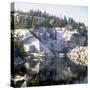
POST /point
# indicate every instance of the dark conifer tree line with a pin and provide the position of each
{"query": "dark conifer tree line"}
(35, 19)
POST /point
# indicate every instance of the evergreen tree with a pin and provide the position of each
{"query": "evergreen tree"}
(34, 19)
(65, 21)
(33, 25)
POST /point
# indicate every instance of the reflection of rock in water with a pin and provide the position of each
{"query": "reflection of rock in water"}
(62, 69)
(59, 70)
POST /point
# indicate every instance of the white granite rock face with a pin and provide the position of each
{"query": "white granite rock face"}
(79, 55)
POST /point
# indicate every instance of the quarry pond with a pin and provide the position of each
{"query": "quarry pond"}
(51, 58)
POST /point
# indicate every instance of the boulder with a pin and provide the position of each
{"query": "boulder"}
(78, 55)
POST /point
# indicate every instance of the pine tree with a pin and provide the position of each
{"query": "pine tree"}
(33, 25)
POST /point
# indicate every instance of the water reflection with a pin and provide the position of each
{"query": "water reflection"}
(55, 70)
(60, 70)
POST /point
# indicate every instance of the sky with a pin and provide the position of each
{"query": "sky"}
(78, 13)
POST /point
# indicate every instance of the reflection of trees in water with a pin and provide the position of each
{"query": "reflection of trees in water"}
(69, 73)
(64, 64)
(60, 70)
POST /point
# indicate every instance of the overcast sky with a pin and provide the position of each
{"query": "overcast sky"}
(78, 13)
